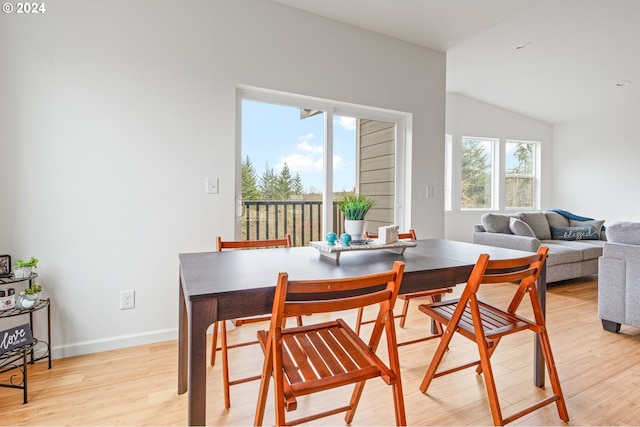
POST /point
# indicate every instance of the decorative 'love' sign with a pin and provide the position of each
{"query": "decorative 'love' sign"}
(15, 337)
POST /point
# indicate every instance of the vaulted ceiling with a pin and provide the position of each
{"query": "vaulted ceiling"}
(554, 60)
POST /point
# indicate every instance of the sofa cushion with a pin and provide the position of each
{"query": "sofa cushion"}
(520, 228)
(584, 232)
(559, 253)
(582, 249)
(538, 223)
(625, 232)
(556, 220)
(496, 223)
(597, 224)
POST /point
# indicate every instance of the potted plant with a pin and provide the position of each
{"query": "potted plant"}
(29, 297)
(355, 208)
(22, 269)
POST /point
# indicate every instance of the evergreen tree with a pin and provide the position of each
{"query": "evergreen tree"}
(249, 181)
(298, 188)
(284, 183)
(268, 184)
(476, 175)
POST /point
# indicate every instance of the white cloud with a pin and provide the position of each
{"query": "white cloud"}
(338, 162)
(348, 123)
(305, 147)
(309, 158)
(302, 163)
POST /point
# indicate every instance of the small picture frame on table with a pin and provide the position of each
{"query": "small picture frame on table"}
(5, 265)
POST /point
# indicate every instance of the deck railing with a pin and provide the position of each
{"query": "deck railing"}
(272, 219)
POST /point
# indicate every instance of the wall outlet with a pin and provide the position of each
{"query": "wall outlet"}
(127, 299)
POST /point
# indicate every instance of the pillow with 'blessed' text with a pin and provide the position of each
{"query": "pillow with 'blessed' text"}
(583, 232)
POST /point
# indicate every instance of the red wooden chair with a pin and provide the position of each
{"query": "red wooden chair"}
(486, 324)
(432, 295)
(312, 358)
(224, 346)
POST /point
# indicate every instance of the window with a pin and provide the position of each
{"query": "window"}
(292, 149)
(496, 174)
(520, 174)
(477, 158)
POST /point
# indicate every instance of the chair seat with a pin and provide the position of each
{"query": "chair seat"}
(324, 356)
(495, 322)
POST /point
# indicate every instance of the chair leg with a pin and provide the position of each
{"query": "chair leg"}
(405, 309)
(359, 320)
(443, 346)
(553, 375)
(214, 344)
(225, 364)
(267, 372)
(490, 384)
(496, 341)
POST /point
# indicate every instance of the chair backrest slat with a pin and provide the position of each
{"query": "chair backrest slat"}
(303, 308)
(411, 235)
(509, 276)
(254, 244)
(322, 296)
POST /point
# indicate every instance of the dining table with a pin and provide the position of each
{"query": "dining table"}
(215, 286)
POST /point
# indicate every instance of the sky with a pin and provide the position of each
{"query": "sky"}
(275, 134)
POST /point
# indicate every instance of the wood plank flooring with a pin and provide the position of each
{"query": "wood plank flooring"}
(599, 371)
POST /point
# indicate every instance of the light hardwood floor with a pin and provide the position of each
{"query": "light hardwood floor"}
(599, 371)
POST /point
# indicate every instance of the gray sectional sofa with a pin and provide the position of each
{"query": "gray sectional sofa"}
(574, 245)
(619, 277)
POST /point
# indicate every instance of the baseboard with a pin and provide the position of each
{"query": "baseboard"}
(122, 341)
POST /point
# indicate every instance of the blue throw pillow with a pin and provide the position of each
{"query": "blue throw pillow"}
(583, 232)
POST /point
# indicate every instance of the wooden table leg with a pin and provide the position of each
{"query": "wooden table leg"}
(183, 340)
(201, 317)
(538, 357)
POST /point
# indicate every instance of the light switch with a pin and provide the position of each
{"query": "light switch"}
(429, 191)
(212, 185)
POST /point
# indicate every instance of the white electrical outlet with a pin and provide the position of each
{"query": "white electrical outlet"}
(127, 299)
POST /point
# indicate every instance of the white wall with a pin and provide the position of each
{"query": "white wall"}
(113, 113)
(596, 167)
(469, 117)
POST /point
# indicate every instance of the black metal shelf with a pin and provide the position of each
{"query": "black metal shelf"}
(11, 280)
(20, 357)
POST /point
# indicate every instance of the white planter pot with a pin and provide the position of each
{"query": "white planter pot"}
(355, 228)
(22, 272)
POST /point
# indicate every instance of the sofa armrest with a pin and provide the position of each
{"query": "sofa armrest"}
(619, 283)
(509, 241)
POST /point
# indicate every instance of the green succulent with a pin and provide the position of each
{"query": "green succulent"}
(33, 262)
(34, 289)
(355, 207)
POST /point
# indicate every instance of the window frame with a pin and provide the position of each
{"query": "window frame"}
(498, 173)
(535, 175)
(402, 120)
(495, 161)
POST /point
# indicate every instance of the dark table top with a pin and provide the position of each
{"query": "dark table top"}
(243, 281)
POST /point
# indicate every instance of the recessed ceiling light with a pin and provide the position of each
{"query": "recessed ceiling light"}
(523, 45)
(623, 83)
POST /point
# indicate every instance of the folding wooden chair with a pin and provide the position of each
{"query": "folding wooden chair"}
(313, 358)
(224, 346)
(486, 324)
(433, 295)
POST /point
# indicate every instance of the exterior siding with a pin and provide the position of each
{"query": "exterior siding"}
(376, 171)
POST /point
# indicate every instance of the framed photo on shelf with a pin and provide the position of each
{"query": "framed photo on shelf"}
(5, 265)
